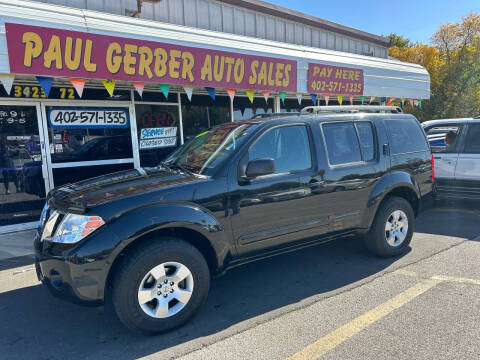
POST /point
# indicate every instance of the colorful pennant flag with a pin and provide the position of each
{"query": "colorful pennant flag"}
(189, 91)
(340, 99)
(390, 103)
(7, 81)
(109, 86)
(392, 99)
(250, 95)
(371, 99)
(138, 86)
(254, 110)
(78, 84)
(350, 97)
(362, 98)
(415, 102)
(231, 93)
(165, 89)
(326, 97)
(266, 94)
(383, 99)
(282, 96)
(411, 102)
(299, 98)
(314, 98)
(46, 83)
(402, 100)
(211, 92)
(420, 104)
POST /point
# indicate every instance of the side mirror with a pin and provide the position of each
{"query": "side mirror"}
(259, 167)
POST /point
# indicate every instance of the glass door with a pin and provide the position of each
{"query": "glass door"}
(87, 140)
(24, 180)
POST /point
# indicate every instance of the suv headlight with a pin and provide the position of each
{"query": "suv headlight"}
(74, 228)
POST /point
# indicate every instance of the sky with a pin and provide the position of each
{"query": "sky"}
(414, 19)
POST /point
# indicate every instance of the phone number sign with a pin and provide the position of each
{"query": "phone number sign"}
(88, 118)
(328, 79)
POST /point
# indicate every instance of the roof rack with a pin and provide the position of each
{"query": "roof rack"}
(351, 109)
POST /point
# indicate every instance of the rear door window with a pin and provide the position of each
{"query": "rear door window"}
(342, 143)
(405, 136)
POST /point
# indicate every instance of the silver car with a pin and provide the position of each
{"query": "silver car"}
(455, 147)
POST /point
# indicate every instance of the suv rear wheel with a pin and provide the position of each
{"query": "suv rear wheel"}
(392, 228)
(160, 285)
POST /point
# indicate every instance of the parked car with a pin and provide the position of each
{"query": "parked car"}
(242, 191)
(455, 146)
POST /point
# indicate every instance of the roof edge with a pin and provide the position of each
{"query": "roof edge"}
(296, 16)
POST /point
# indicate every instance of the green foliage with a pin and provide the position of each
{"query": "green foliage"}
(399, 41)
(453, 63)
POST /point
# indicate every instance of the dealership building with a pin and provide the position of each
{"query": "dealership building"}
(92, 87)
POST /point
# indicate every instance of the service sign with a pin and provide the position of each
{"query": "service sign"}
(328, 79)
(155, 133)
(87, 118)
(56, 52)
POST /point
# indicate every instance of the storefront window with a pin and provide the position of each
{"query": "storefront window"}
(156, 96)
(292, 105)
(22, 188)
(203, 113)
(158, 132)
(243, 109)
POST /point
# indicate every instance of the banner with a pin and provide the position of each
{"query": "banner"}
(56, 52)
(334, 79)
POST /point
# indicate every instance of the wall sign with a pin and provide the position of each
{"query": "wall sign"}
(55, 52)
(156, 133)
(157, 143)
(87, 118)
(328, 79)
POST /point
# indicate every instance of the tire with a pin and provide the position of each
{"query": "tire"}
(377, 239)
(134, 277)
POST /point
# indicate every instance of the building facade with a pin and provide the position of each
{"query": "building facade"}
(89, 89)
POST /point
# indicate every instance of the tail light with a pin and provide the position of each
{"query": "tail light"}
(432, 160)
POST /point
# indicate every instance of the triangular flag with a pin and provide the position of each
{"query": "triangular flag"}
(189, 92)
(362, 98)
(138, 85)
(165, 89)
(411, 102)
(326, 97)
(402, 100)
(391, 99)
(299, 98)
(242, 110)
(46, 83)
(231, 93)
(420, 104)
(250, 94)
(282, 96)
(383, 99)
(314, 98)
(266, 94)
(211, 92)
(7, 81)
(109, 86)
(350, 97)
(254, 110)
(78, 84)
(371, 99)
(415, 102)
(340, 99)
(390, 103)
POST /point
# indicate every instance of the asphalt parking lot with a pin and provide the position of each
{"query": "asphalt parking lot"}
(334, 301)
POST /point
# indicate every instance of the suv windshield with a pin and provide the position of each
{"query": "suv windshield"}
(206, 151)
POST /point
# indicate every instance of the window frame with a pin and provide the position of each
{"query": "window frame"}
(244, 157)
(353, 122)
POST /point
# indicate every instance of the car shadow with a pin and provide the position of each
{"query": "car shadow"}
(460, 219)
(35, 325)
(14, 262)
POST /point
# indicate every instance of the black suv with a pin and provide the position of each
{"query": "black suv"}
(153, 237)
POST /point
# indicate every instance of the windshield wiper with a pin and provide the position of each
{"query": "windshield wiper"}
(176, 166)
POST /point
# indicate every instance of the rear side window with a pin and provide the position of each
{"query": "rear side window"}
(444, 138)
(405, 136)
(472, 141)
(342, 143)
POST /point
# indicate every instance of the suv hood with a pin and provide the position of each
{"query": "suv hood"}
(89, 193)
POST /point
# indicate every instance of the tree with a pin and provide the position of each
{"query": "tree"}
(453, 62)
(399, 41)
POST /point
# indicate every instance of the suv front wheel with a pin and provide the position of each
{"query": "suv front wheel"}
(160, 285)
(392, 228)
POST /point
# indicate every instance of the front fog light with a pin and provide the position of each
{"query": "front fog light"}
(75, 227)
